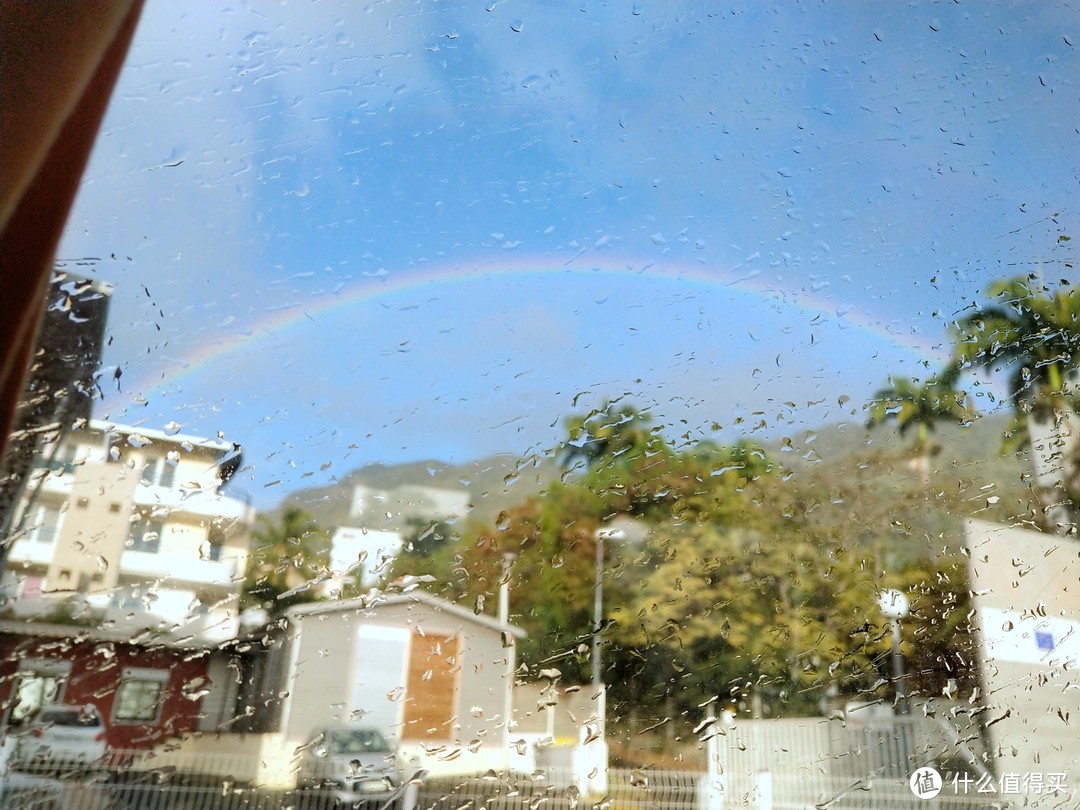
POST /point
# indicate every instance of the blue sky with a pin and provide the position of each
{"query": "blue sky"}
(732, 210)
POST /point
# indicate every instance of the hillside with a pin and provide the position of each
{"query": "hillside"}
(493, 484)
(968, 456)
(968, 469)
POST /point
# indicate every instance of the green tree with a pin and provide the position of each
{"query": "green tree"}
(920, 405)
(1031, 333)
(607, 435)
(741, 612)
(423, 537)
(288, 559)
(430, 548)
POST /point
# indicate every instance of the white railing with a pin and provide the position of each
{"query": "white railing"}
(170, 780)
(28, 549)
(210, 503)
(179, 568)
(800, 763)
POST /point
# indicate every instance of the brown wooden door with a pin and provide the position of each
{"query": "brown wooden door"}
(431, 690)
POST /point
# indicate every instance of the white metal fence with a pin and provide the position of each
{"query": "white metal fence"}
(817, 763)
(766, 765)
(134, 781)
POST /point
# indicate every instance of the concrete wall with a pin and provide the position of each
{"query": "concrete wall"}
(267, 760)
(1026, 588)
(94, 528)
(483, 660)
(317, 658)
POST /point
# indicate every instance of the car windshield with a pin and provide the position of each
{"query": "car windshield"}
(354, 741)
(610, 402)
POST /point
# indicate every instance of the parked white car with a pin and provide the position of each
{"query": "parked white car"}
(61, 734)
(350, 764)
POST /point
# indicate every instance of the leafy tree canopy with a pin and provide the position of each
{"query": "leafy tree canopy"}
(1031, 332)
(911, 403)
(609, 435)
(289, 558)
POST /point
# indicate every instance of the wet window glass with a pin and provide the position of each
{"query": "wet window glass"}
(624, 404)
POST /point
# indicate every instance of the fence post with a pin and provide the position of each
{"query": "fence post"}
(710, 788)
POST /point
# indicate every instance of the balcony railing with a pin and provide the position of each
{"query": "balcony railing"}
(209, 503)
(32, 550)
(179, 568)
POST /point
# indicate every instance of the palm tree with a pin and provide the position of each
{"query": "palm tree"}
(921, 405)
(286, 556)
(1033, 334)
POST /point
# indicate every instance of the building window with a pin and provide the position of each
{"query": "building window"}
(139, 698)
(40, 683)
(130, 597)
(159, 471)
(31, 587)
(60, 460)
(214, 547)
(45, 523)
(145, 536)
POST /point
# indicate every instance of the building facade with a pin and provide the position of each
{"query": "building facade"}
(1027, 623)
(61, 382)
(374, 508)
(431, 674)
(131, 527)
(147, 692)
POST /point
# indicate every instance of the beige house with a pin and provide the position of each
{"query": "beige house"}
(131, 525)
(434, 675)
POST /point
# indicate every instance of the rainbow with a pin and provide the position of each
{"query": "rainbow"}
(384, 286)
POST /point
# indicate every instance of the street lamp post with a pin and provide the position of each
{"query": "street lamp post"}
(593, 778)
(508, 645)
(894, 605)
(598, 607)
(598, 598)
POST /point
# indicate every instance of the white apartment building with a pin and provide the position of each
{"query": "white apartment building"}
(131, 526)
(363, 552)
(374, 508)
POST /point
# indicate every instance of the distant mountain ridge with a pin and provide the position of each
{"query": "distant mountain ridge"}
(498, 482)
(493, 483)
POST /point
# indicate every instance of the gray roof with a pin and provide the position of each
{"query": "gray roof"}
(372, 602)
(136, 637)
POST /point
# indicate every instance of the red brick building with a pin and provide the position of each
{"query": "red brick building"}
(146, 692)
